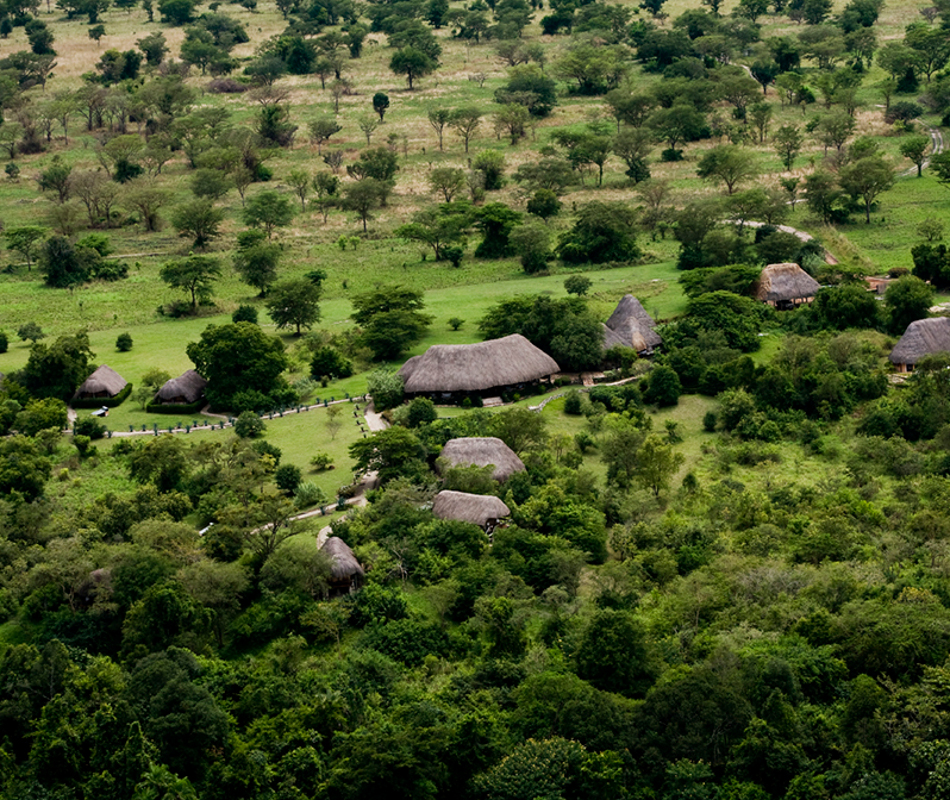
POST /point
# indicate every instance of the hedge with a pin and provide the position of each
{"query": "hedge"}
(99, 402)
(182, 409)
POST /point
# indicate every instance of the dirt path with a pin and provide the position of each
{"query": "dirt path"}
(805, 237)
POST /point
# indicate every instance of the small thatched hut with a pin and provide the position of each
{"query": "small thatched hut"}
(104, 382)
(925, 337)
(346, 574)
(187, 388)
(482, 451)
(484, 368)
(483, 510)
(631, 326)
(785, 286)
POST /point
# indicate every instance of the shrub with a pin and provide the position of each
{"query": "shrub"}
(572, 402)
(249, 425)
(123, 342)
(287, 477)
(454, 323)
(226, 86)
(4, 342)
(89, 426)
(309, 494)
(245, 314)
(321, 462)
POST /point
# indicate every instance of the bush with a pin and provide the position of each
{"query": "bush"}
(123, 342)
(328, 362)
(249, 426)
(572, 402)
(89, 426)
(454, 323)
(709, 421)
(321, 462)
(226, 86)
(309, 494)
(4, 342)
(421, 411)
(287, 477)
(245, 314)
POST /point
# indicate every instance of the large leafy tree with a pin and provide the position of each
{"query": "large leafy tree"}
(391, 453)
(392, 319)
(269, 210)
(294, 304)
(412, 63)
(238, 357)
(602, 232)
(907, 299)
(57, 369)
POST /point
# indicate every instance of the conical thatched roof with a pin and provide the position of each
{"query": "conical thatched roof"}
(631, 326)
(477, 367)
(483, 451)
(104, 382)
(785, 282)
(186, 388)
(343, 564)
(464, 507)
(922, 338)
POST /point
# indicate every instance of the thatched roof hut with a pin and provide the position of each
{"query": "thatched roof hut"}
(104, 382)
(631, 326)
(189, 387)
(483, 510)
(482, 451)
(785, 285)
(475, 368)
(922, 338)
(345, 571)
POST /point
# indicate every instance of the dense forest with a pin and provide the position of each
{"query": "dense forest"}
(724, 570)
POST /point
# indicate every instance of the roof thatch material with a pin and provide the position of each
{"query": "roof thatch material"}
(631, 326)
(483, 451)
(343, 564)
(104, 382)
(186, 388)
(479, 509)
(922, 338)
(785, 282)
(508, 361)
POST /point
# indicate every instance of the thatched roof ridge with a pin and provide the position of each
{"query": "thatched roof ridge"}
(104, 380)
(189, 386)
(483, 451)
(922, 338)
(343, 563)
(464, 507)
(631, 326)
(783, 282)
(476, 367)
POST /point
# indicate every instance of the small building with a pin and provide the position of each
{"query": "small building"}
(482, 451)
(492, 367)
(186, 389)
(484, 510)
(785, 286)
(631, 326)
(346, 574)
(924, 337)
(105, 382)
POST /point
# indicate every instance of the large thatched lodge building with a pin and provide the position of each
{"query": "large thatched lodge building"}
(346, 573)
(785, 286)
(631, 326)
(453, 371)
(925, 337)
(481, 451)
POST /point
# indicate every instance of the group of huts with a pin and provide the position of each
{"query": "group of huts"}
(108, 387)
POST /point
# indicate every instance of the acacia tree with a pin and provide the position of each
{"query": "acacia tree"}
(412, 63)
(788, 142)
(195, 274)
(364, 196)
(728, 164)
(465, 122)
(915, 148)
(198, 219)
(268, 210)
(867, 178)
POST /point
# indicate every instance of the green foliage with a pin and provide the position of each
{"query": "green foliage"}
(249, 425)
(386, 389)
(56, 370)
(906, 300)
(602, 232)
(294, 303)
(123, 342)
(392, 320)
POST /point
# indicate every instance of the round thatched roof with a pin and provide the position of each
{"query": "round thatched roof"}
(476, 367)
(922, 338)
(631, 326)
(104, 380)
(464, 507)
(343, 564)
(187, 387)
(483, 451)
(785, 282)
